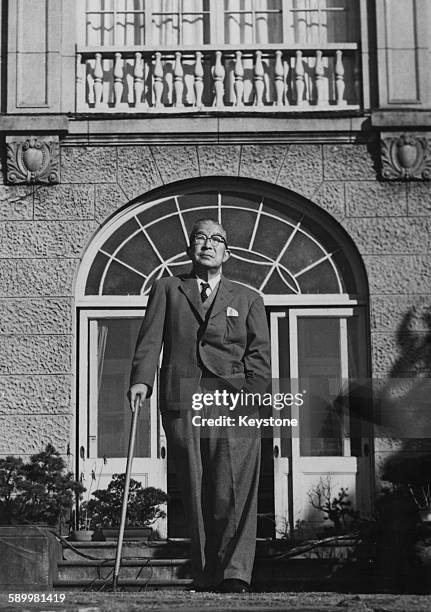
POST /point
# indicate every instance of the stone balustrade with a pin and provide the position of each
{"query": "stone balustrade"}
(246, 78)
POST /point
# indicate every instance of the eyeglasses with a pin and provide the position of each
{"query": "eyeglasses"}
(215, 240)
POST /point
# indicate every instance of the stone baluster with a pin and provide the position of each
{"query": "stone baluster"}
(279, 78)
(299, 79)
(138, 79)
(178, 81)
(239, 79)
(287, 80)
(339, 78)
(199, 79)
(259, 73)
(118, 79)
(158, 80)
(98, 81)
(319, 73)
(357, 81)
(218, 76)
(90, 87)
(80, 85)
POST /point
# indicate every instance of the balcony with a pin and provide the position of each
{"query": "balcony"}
(247, 78)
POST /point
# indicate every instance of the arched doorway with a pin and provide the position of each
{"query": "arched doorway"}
(315, 290)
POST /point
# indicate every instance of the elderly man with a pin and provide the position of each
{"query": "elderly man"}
(215, 337)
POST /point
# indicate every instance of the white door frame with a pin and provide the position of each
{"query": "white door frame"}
(151, 471)
(288, 471)
(282, 496)
(293, 474)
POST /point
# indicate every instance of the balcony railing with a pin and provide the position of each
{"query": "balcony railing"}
(245, 78)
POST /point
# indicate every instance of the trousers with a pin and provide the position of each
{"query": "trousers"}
(218, 476)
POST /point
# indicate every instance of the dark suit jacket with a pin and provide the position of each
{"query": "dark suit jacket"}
(235, 349)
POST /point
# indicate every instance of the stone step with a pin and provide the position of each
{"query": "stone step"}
(165, 563)
(132, 585)
(260, 583)
(144, 569)
(265, 570)
(139, 548)
(181, 549)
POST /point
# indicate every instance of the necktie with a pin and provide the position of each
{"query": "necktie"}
(205, 291)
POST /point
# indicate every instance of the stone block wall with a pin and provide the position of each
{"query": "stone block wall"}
(45, 230)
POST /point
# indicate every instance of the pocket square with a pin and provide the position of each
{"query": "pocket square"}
(231, 312)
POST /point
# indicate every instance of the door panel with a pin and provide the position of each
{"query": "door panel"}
(105, 416)
(322, 370)
(282, 437)
(317, 350)
(115, 339)
(323, 359)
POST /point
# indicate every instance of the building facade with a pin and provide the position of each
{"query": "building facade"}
(305, 127)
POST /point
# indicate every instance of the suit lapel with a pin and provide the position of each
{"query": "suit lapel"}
(190, 289)
(223, 297)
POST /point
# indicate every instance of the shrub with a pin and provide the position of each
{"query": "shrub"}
(142, 510)
(39, 491)
(335, 508)
(411, 475)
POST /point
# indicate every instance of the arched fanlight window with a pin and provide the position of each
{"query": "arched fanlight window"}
(277, 247)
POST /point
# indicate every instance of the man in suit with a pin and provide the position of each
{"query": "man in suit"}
(215, 337)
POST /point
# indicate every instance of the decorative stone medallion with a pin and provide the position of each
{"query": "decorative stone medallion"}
(33, 160)
(406, 157)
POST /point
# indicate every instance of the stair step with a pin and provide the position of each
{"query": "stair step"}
(268, 575)
(98, 585)
(138, 562)
(181, 549)
(165, 564)
(266, 570)
(107, 550)
(160, 569)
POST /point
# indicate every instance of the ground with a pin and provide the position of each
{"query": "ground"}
(180, 601)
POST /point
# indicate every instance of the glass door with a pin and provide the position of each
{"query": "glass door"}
(319, 359)
(107, 345)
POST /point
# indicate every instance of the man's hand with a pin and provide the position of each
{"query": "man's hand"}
(137, 394)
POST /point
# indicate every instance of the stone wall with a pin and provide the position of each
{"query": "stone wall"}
(45, 230)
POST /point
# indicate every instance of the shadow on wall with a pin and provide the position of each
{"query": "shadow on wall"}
(403, 450)
(402, 401)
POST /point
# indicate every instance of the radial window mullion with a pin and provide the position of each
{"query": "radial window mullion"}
(294, 262)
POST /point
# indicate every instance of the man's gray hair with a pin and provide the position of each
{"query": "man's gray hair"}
(197, 223)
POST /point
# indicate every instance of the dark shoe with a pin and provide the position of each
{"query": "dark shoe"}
(233, 585)
(199, 588)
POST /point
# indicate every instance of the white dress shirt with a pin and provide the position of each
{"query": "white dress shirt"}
(213, 282)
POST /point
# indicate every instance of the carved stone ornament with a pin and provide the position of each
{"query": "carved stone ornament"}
(33, 160)
(406, 157)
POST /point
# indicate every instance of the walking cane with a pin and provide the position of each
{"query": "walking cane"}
(132, 438)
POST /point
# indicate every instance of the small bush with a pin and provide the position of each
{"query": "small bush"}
(337, 509)
(39, 491)
(411, 475)
(142, 510)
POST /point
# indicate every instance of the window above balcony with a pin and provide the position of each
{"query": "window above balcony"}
(185, 23)
(166, 55)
